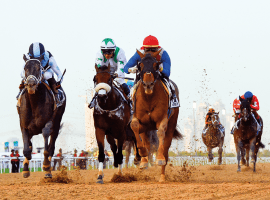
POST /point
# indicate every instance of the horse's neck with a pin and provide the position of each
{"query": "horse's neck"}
(112, 102)
(38, 98)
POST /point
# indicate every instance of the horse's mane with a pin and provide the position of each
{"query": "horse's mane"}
(103, 67)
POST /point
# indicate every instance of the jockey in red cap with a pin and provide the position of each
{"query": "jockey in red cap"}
(254, 105)
(151, 44)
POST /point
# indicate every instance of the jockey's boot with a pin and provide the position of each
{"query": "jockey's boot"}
(174, 101)
(21, 86)
(93, 102)
(53, 85)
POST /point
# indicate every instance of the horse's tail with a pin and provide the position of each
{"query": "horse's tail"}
(176, 134)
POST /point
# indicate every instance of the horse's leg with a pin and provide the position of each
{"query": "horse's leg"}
(46, 131)
(27, 151)
(113, 146)
(137, 158)
(220, 150)
(146, 144)
(210, 155)
(247, 155)
(243, 154)
(128, 151)
(119, 155)
(239, 147)
(100, 135)
(253, 153)
(135, 126)
(162, 128)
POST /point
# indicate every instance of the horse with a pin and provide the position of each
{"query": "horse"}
(111, 117)
(246, 135)
(152, 112)
(38, 114)
(214, 138)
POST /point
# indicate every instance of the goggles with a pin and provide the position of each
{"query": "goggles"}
(155, 49)
(107, 51)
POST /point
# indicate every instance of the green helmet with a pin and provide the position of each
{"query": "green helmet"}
(108, 43)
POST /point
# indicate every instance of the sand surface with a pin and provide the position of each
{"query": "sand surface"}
(200, 182)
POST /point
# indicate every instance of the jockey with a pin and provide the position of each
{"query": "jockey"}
(115, 56)
(254, 104)
(48, 64)
(208, 119)
(150, 43)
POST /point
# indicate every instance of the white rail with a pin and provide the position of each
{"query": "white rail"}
(92, 162)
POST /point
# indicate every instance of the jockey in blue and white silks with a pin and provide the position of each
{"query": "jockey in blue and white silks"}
(49, 66)
(110, 53)
(151, 43)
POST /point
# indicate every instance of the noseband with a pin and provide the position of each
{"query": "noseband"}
(37, 80)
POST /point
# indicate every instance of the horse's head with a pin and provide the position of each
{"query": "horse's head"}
(149, 70)
(103, 81)
(245, 108)
(33, 73)
(215, 120)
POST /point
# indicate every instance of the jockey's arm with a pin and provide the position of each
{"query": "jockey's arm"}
(56, 69)
(165, 66)
(255, 105)
(121, 62)
(132, 62)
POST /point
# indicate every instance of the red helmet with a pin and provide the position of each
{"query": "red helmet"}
(150, 41)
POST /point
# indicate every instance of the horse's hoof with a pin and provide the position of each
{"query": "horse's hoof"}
(210, 160)
(100, 179)
(161, 162)
(143, 165)
(239, 170)
(48, 175)
(143, 152)
(162, 178)
(26, 174)
(219, 162)
(252, 161)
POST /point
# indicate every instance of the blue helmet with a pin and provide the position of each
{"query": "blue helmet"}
(248, 95)
(36, 50)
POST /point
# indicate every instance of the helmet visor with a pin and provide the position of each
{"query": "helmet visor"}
(107, 51)
(152, 49)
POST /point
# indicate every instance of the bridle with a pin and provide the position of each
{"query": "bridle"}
(156, 75)
(215, 116)
(37, 80)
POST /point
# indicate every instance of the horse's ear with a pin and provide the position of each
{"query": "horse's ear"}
(156, 53)
(96, 67)
(25, 58)
(140, 54)
(240, 98)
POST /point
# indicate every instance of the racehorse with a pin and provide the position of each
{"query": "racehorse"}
(214, 138)
(38, 114)
(111, 117)
(152, 112)
(246, 136)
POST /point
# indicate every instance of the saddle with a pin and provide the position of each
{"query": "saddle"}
(61, 96)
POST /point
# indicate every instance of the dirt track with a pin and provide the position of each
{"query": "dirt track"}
(203, 182)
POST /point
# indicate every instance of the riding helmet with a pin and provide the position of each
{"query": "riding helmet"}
(248, 95)
(108, 43)
(36, 50)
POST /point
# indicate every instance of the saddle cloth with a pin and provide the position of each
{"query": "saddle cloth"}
(61, 95)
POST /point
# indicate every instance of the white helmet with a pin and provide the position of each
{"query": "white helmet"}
(108, 43)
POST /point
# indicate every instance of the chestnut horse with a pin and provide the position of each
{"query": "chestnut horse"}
(152, 113)
(38, 115)
(111, 117)
(214, 138)
(246, 136)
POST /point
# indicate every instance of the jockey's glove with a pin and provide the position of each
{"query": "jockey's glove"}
(132, 70)
(160, 68)
(58, 85)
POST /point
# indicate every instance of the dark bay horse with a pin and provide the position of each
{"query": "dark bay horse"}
(111, 117)
(246, 137)
(214, 138)
(152, 113)
(38, 115)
